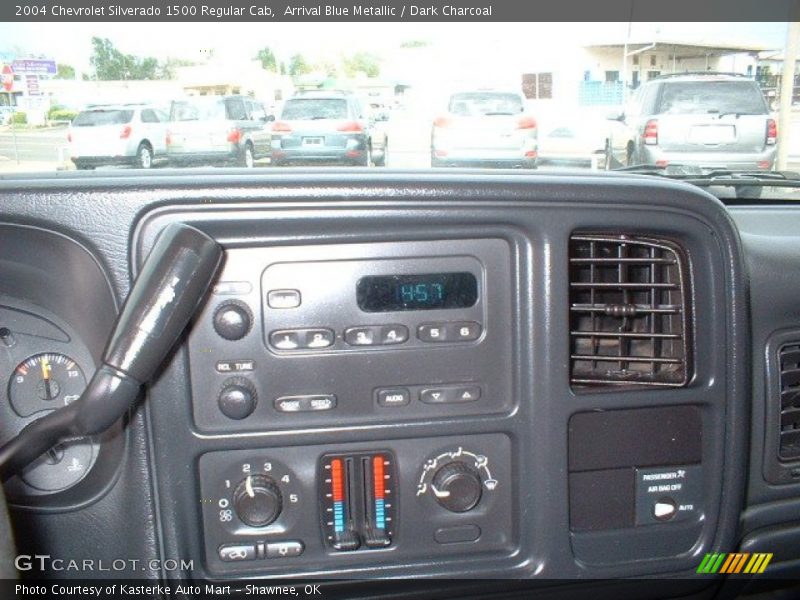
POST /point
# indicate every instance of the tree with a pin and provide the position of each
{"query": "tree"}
(169, 68)
(326, 66)
(65, 71)
(110, 64)
(268, 60)
(362, 62)
(298, 66)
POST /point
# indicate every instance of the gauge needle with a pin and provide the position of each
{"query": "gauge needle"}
(46, 376)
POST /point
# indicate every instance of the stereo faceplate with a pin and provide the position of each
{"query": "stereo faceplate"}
(282, 342)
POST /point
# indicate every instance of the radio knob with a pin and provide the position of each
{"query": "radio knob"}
(238, 398)
(457, 487)
(233, 320)
(257, 501)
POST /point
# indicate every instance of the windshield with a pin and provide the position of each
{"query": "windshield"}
(314, 108)
(525, 97)
(721, 97)
(94, 118)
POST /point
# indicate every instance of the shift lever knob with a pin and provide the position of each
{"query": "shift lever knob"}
(163, 298)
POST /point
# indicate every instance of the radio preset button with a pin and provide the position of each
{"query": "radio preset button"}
(393, 397)
(287, 339)
(318, 338)
(283, 298)
(432, 332)
(393, 334)
(464, 331)
(362, 336)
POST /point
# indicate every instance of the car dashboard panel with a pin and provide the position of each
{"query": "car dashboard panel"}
(409, 375)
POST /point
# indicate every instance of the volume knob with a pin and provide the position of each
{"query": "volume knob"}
(257, 501)
(233, 320)
(238, 398)
(457, 487)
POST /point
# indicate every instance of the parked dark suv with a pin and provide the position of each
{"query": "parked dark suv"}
(326, 127)
(708, 120)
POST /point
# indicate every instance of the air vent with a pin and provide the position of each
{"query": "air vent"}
(789, 357)
(628, 311)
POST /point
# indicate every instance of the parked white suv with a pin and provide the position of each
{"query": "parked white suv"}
(707, 120)
(120, 134)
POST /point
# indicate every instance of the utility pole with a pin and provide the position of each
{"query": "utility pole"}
(787, 89)
(625, 58)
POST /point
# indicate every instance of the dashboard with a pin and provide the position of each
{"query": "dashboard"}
(456, 375)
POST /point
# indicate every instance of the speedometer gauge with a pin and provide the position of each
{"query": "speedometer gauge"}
(45, 382)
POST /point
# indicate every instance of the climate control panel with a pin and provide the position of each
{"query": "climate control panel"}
(319, 507)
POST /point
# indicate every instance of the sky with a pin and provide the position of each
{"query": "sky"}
(71, 42)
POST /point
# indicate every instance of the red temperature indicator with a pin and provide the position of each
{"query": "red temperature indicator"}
(356, 499)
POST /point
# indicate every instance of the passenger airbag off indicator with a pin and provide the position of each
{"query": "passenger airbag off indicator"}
(669, 494)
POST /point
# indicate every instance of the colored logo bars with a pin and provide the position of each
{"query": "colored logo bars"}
(732, 563)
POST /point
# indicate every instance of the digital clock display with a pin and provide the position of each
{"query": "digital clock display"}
(387, 293)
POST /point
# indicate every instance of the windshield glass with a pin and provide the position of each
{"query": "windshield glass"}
(711, 97)
(314, 108)
(520, 96)
(93, 118)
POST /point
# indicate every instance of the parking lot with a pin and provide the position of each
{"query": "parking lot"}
(408, 131)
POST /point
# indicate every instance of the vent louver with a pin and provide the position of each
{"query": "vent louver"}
(789, 357)
(628, 311)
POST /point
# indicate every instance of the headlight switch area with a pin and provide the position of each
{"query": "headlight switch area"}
(293, 509)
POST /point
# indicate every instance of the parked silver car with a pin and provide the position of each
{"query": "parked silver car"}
(485, 128)
(218, 130)
(707, 120)
(120, 134)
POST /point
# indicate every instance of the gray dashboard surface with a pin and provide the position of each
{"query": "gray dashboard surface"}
(771, 240)
(102, 213)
